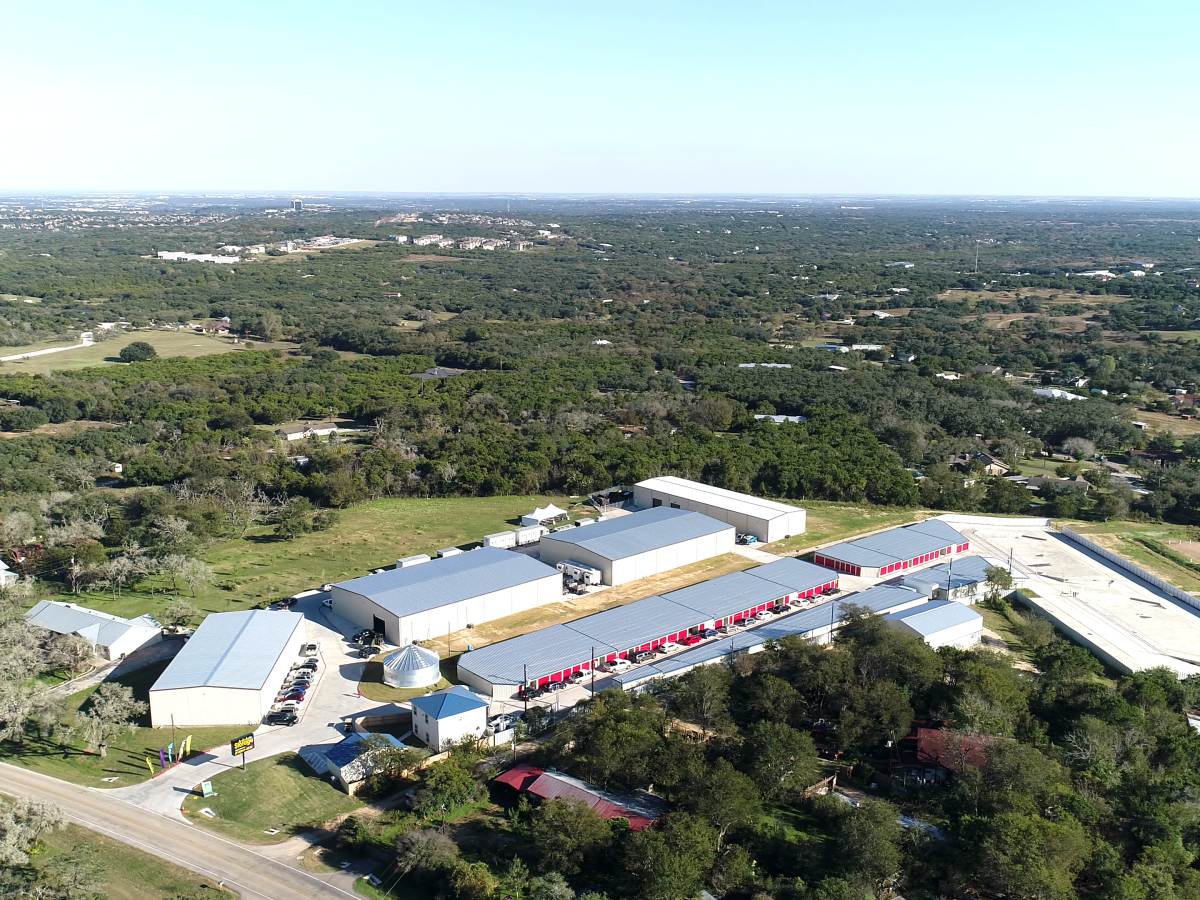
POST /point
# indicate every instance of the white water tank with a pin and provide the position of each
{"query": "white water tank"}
(411, 667)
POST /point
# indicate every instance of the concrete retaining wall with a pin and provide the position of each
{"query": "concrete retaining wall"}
(1137, 571)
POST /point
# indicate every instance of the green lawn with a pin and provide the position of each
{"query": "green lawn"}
(124, 872)
(372, 687)
(168, 343)
(281, 792)
(259, 568)
(1121, 537)
(836, 521)
(126, 760)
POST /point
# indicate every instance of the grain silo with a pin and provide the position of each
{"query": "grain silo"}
(411, 667)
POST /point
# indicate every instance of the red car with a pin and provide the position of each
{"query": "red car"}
(691, 640)
(297, 696)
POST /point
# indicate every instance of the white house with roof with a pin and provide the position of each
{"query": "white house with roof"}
(444, 718)
(7, 575)
(940, 623)
(110, 636)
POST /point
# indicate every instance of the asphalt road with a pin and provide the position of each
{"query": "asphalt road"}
(238, 868)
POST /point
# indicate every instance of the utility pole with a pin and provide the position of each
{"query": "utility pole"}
(525, 686)
(592, 669)
(950, 575)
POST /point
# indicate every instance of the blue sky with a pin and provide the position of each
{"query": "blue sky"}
(1053, 97)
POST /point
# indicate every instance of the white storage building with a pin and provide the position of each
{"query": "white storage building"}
(447, 594)
(941, 623)
(110, 636)
(229, 671)
(640, 544)
(767, 520)
(447, 717)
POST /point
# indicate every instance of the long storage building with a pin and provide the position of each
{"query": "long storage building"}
(432, 598)
(229, 671)
(767, 520)
(640, 544)
(894, 550)
(560, 651)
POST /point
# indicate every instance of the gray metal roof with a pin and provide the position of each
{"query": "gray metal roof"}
(794, 574)
(964, 571)
(411, 659)
(231, 650)
(450, 579)
(96, 627)
(728, 594)
(902, 543)
(547, 650)
(640, 532)
(936, 616)
(636, 623)
(896, 544)
(939, 529)
(857, 555)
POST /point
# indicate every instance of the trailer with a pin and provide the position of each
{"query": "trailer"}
(581, 522)
(449, 551)
(502, 540)
(577, 571)
(414, 560)
(530, 534)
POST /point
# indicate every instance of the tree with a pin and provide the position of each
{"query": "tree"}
(269, 326)
(294, 518)
(424, 852)
(736, 801)
(567, 836)
(138, 351)
(671, 860)
(67, 653)
(702, 696)
(472, 881)
(1079, 448)
(443, 787)
(867, 839)
(110, 711)
(778, 758)
(1030, 858)
(177, 614)
(999, 583)
(22, 823)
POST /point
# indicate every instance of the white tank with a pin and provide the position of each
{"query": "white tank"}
(411, 667)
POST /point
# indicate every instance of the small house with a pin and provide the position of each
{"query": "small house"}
(445, 718)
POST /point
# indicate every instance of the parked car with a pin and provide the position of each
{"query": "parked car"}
(691, 640)
(283, 717)
(553, 687)
(525, 692)
(297, 696)
(643, 656)
(364, 635)
(617, 665)
(747, 539)
(778, 609)
(309, 649)
(580, 676)
(668, 647)
(709, 633)
(308, 664)
(300, 684)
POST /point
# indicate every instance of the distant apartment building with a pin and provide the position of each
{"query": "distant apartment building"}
(401, 239)
(492, 244)
(426, 239)
(471, 243)
(520, 246)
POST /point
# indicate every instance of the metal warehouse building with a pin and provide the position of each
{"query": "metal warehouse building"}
(433, 598)
(958, 579)
(767, 520)
(640, 544)
(229, 670)
(894, 550)
(557, 652)
(941, 623)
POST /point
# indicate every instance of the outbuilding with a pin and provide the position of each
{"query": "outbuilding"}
(229, 671)
(445, 718)
(941, 623)
(640, 544)
(767, 520)
(111, 636)
(447, 594)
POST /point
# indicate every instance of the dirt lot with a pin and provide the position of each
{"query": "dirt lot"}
(576, 607)
(1161, 421)
(1190, 549)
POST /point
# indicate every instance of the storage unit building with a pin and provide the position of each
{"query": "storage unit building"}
(229, 670)
(941, 623)
(641, 544)
(767, 520)
(894, 550)
(959, 579)
(446, 594)
(446, 717)
(110, 636)
(561, 651)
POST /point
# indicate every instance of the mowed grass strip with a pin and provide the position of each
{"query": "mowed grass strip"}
(72, 760)
(281, 792)
(188, 344)
(261, 568)
(123, 872)
(829, 521)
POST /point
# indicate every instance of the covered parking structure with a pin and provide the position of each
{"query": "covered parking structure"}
(560, 651)
(894, 550)
(767, 520)
(640, 544)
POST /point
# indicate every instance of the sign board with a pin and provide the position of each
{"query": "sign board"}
(206, 789)
(241, 744)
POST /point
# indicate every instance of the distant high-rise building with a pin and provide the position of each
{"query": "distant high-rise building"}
(297, 206)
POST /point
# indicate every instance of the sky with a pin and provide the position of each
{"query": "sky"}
(1055, 97)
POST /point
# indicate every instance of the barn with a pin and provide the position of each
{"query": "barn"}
(229, 671)
(110, 636)
(894, 550)
(433, 598)
(767, 520)
(640, 544)
(940, 623)
(560, 651)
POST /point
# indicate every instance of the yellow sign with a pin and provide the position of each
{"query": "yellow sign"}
(241, 744)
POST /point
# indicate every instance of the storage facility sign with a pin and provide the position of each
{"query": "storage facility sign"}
(241, 744)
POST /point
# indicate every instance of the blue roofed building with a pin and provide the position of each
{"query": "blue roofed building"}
(445, 718)
(229, 670)
(959, 579)
(351, 760)
(625, 548)
(894, 550)
(434, 598)
(941, 623)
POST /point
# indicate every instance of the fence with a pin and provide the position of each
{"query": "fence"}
(1165, 586)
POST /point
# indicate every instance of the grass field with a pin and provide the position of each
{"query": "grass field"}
(1162, 422)
(126, 760)
(277, 793)
(372, 687)
(125, 873)
(167, 343)
(837, 521)
(260, 568)
(1122, 538)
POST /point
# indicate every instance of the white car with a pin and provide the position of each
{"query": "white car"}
(668, 647)
(502, 722)
(618, 665)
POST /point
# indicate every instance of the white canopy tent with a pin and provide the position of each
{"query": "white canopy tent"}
(544, 514)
